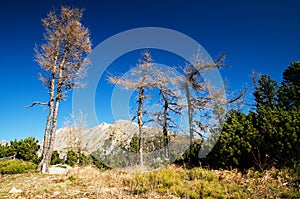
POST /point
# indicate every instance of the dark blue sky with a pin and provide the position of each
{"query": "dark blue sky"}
(256, 35)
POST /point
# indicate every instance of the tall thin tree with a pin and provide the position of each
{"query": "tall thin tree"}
(140, 79)
(166, 81)
(200, 94)
(63, 58)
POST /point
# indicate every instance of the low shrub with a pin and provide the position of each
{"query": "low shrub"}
(55, 159)
(16, 166)
(84, 160)
(72, 158)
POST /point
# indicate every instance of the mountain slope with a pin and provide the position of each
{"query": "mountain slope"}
(112, 143)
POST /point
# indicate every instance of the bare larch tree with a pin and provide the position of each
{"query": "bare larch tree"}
(63, 58)
(140, 79)
(200, 94)
(166, 82)
(203, 100)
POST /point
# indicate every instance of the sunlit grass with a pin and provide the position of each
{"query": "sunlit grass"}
(169, 182)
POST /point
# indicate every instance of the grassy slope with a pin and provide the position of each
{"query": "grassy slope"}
(170, 182)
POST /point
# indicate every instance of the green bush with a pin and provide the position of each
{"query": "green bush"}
(83, 160)
(22, 149)
(55, 159)
(76, 158)
(4, 150)
(16, 166)
(71, 158)
(25, 149)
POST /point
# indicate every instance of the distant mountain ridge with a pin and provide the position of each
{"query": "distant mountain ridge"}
(107, 137)
(93, 139)
(82, 139)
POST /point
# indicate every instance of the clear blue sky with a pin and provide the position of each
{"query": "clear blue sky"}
(256, 35)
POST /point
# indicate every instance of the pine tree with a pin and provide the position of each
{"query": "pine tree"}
(277, 118)
(289, 92)
(236, 143)
(265, 92)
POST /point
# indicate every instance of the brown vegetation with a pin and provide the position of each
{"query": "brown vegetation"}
(171, 182)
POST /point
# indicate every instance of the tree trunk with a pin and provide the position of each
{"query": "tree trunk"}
(43, 166)
(141, 124)
(52, 135)
(190, 113)
(55, 111)
(165, 128)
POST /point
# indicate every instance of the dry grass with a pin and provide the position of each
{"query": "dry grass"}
(172, 182)
(88, 182)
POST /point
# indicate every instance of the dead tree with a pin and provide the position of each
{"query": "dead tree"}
(200, 95)
(203, 99)
(140, 79)
(62, 58)
(166, 81)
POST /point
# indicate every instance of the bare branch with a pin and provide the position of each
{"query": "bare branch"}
(39, 103)
(238, 97)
